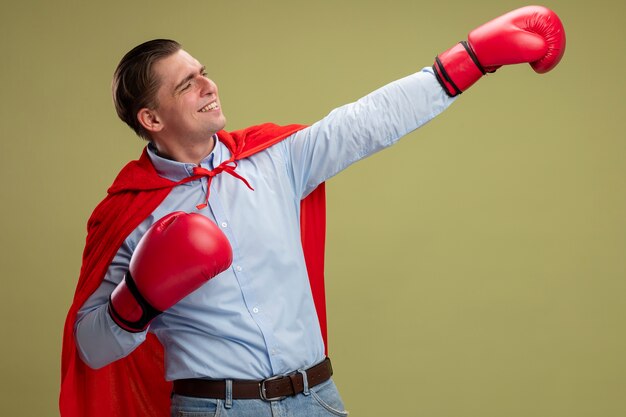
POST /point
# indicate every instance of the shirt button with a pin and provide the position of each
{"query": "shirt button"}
(239, 268)
(255, 310)
(224, 224)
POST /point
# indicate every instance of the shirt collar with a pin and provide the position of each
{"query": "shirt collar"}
(177, 171)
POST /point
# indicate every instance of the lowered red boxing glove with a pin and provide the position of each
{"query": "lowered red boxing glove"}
(178, 254)
(531, 34)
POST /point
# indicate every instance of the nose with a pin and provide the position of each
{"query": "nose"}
(207, 86)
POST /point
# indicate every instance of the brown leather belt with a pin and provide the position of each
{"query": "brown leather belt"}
(270, 389)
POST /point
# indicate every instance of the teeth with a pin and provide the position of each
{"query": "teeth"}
(209, 106)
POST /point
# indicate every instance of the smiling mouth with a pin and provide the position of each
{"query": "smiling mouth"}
(211, 106)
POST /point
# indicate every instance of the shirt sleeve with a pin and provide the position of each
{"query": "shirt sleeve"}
(99, 339)
(364, 127)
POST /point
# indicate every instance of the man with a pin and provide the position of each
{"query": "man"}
(211, 241)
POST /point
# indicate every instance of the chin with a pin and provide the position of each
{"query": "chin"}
(217, 128)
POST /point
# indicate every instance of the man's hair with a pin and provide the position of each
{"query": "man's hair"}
(134, 83)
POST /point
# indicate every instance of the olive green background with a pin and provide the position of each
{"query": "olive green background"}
(477, 268)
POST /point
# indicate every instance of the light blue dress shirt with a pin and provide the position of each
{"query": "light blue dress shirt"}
(256, 319)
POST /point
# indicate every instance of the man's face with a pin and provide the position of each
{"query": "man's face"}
(188, 102)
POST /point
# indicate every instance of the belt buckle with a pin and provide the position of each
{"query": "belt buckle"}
(263, 392)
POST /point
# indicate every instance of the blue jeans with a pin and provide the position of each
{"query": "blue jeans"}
(322, 400)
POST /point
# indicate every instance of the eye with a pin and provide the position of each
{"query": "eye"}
(204, 74)
(186, 87)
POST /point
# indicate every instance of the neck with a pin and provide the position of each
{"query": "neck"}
(187, 152)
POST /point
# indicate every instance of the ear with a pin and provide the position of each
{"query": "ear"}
(149, 119)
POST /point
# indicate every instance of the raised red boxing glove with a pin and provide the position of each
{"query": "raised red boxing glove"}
(177, 254)
(532, 34)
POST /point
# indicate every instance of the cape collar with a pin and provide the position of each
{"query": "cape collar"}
(140, 175)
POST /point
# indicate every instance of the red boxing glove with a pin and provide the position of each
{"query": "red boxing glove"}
(532, 34)
(178, 254)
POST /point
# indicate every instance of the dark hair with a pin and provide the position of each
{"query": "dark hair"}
(134, 83)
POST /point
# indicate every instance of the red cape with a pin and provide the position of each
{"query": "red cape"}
(135, 385)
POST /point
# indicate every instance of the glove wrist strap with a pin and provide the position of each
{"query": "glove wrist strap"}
(457, 69)
(148, 312)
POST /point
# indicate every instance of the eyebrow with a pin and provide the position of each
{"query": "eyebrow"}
(188, 78)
